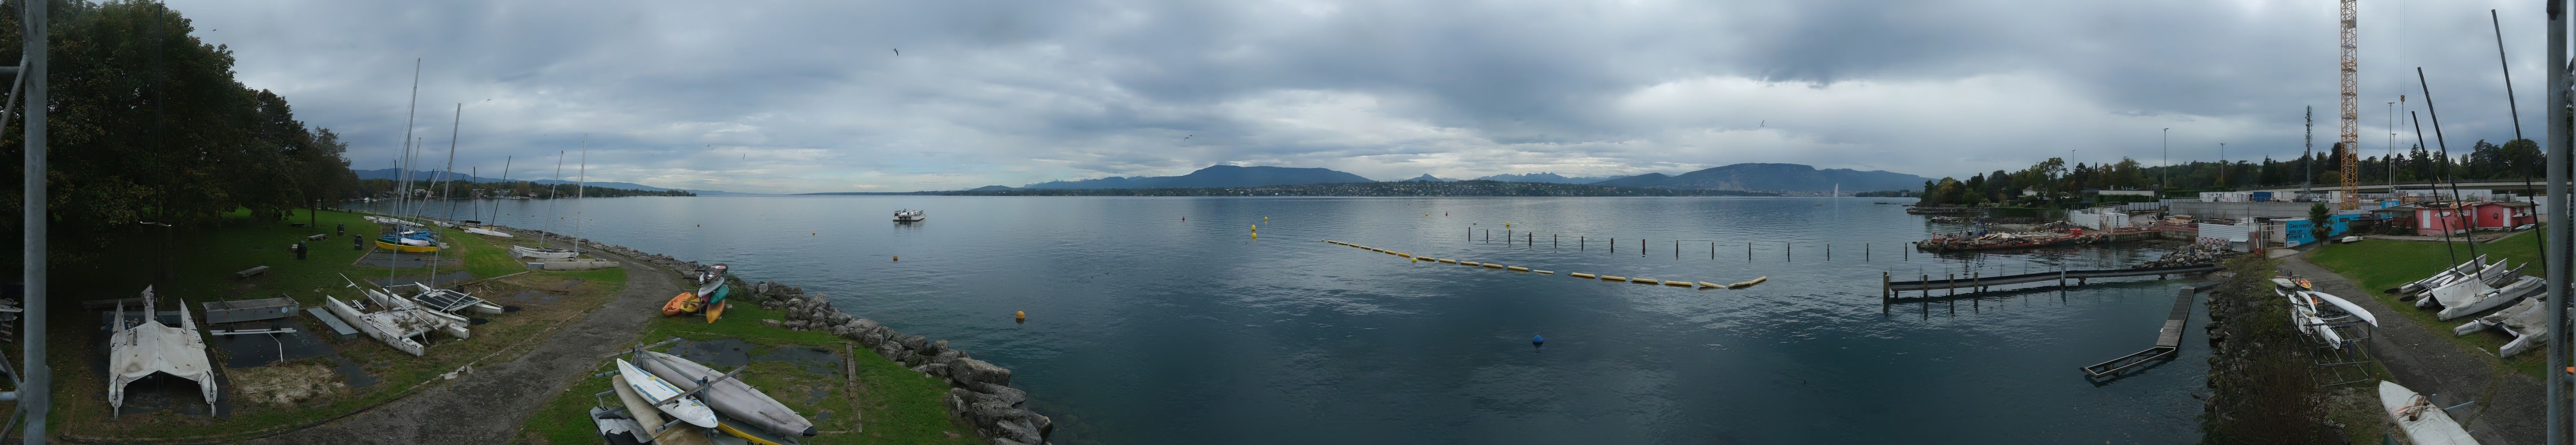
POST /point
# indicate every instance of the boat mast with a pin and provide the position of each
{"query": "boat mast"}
(505, 182)
(577, 193)
(550, 200)
(402, 173)
(446, 180)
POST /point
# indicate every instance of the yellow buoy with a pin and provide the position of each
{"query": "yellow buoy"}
(1256, 228)
(1021, 315)
(1265, 219)
(898, 257)
(1507, 224)
(1415, 258)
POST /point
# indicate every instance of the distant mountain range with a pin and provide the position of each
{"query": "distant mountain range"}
(1774, 177)
(1740, 177)
(426, 175)
(1213, 177)
(1548, 178)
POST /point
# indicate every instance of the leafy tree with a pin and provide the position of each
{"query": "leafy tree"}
(2320, 222)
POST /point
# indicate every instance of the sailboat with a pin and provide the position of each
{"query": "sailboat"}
(575, 262)
(541, 251)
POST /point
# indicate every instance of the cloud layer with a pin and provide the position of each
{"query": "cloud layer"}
(802, 96)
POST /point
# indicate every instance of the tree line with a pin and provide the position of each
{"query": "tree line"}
(2048, 179)
(147, 123)
(384, 188)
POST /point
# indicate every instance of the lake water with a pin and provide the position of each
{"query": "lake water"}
(1162, 321)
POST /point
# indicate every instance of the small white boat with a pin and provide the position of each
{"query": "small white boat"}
(2480, 302)
(2442, 277)
(2524, 321)
(2320, 319)
(2346, 305)
(2423, 423)
(543, 253)
(653, 388)
(488, 232)
(908, 215)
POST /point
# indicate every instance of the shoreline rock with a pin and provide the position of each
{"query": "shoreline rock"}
(979, 391)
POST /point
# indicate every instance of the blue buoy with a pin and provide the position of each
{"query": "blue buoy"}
(1536, 339)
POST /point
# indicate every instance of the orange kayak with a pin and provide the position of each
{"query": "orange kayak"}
(715, 311)
(686, 302)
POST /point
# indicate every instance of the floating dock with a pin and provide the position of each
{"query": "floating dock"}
(1891, 290)
(2168, 339)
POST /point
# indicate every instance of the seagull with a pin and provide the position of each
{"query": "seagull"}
(1765, 123)
(897, 51)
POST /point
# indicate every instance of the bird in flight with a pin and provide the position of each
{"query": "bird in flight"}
(897, 51)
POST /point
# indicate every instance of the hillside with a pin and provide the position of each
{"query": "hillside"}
(1774, 177)
(427, 175)
(1551, 178)
(1213, 176)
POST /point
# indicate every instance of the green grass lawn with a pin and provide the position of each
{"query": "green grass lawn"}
(200, 267)
(2378, 265)
(895, 404)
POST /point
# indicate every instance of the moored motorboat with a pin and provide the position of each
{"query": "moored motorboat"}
(727, 395)
(2416, 416)
(909, 215)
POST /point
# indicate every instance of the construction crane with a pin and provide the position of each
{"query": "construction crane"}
(2351, 139)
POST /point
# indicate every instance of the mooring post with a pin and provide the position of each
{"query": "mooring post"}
(1528, 238)
(1927, 290)
(1578, 242)
(1712, 250)
(1908, 252)
(1748, 252)
(1883, 286)
(1677, 249)
(1953, 285)
(1614, 245)
(1864, 252)
(1786, 251)
(1551, 240)
(1829, 252)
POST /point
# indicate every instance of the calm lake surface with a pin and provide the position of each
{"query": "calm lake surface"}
(1148, 328)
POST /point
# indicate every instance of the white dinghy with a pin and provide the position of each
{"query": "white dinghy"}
(2423, 423)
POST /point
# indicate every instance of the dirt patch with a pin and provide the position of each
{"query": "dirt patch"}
(287, 384)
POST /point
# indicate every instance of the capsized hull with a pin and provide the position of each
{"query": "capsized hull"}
(730, 396)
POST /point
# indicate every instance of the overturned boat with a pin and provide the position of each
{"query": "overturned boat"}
(2445, 276)
(730, 397)
(140, 348)
(2524, 321)
(2417, 417)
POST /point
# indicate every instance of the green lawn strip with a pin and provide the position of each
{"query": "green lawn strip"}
(897, 405)
(202, 265)
(2382, 264)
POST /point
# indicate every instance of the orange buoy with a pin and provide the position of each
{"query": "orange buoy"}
(898, 257)
(1021, 315)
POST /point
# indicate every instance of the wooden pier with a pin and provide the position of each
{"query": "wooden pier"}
(1891, 290)
(2168, 339)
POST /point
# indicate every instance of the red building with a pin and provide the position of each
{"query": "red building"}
(2434, 218)
(2502, 215)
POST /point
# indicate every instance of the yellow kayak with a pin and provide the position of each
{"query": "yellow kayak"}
(751, 433)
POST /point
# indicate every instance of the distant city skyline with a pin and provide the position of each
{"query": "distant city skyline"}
(811, 98)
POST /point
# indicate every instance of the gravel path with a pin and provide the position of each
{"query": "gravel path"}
(2508, 409)
(489, 405)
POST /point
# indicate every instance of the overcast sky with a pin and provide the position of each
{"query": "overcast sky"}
(807, 96)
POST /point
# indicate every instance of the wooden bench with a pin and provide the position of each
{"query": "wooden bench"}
(247, 273)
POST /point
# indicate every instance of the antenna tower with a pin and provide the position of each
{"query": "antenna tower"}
(2351, 108)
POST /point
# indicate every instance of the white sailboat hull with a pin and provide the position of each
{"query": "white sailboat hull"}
(2423, 424)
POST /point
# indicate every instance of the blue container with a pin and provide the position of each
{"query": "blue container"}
(2261, 197)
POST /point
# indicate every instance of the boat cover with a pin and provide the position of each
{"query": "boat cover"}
(148, 347)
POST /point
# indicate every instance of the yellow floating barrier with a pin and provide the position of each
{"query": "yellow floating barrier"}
(1583, 275)
(1518, 268)
(1749, 283)
(1492, 265)
(1705, 285)
(1645, 281)
(1612, 278)
(1449, 260)
(1469, 263)
(1676, 283)
(1544, 272)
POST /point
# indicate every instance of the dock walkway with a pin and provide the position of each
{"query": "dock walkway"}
(2168, 339)
(1895, 290)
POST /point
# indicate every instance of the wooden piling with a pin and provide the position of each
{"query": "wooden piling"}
(1829, 252)
(1864, 252)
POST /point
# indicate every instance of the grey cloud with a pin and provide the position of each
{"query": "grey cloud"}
(792, 96)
